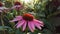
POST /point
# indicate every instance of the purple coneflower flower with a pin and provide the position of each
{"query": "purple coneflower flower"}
(17, 5)
(28, 20)
(2, 8)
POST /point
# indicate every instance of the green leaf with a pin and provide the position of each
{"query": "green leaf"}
(48, 25)
(8, 4)
(18, 32)
(4, 27)
(9, 16)
(46, 31)
(14, 12)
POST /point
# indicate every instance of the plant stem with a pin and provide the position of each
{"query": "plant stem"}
(2, 22)
(3, 26)
(18, 12)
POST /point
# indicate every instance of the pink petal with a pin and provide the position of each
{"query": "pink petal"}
(39, 22)
(16, 19)
(37, 25)
(13, 7)
(18, 5)
(32, 24)
(30, 27)
(19, 17)
(0, 10)
(20, 23)
(24, 26)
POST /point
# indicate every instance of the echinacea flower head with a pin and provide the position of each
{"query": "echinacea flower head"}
(1, 4)
(17, 5)
(2, 8)
(28, 20)
(28, 17)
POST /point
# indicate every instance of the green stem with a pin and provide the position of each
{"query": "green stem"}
(18, 13)
(2, 22)
(3, 25)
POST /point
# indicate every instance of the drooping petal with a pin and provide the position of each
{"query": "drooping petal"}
(39, 22)
(30, 27)
(24, 26)
(16, 19)
(20, 23)
(13, 7)
(0, 10)
(18, 5)
(37, 25)
(32, 24)
(18, 16)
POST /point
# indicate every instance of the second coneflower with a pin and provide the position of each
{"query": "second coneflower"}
(2, 8)
(28, 20)
(17, 5)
